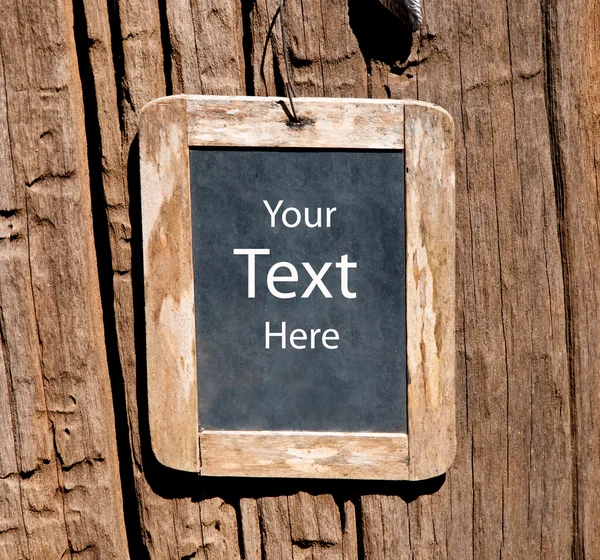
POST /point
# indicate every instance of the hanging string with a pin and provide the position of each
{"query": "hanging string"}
(288, 86)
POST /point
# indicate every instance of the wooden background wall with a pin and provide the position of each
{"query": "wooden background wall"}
(522, 80)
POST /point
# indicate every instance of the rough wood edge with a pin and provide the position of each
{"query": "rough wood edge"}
(430, 280)
(168, 284)
(368, 456)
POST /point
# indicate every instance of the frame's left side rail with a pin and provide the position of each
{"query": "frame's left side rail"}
(169, 284)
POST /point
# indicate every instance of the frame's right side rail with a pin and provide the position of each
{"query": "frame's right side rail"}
(430, 290)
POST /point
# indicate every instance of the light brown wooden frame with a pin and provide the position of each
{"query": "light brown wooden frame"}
(168, 128)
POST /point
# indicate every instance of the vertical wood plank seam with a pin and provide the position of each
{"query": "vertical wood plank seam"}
(549, 17)
(261, 528)
(502, 316)
(409, 532)
(237, 508)
(501, 302)
(360, 529)
(118, 57)
(269, 40)
(167, 47)
(123, 96)
(518, 171)
(469, 434)
(420, 35)
(247, 46)
(104, 258)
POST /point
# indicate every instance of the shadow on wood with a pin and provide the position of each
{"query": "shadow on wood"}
(381, 36)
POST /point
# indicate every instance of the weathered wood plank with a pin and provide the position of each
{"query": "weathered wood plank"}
(316, 527)
(430, 300)
(169, 285)
(250, 529)
(274, 515)
(221, 121)
(22, 410)
(185, 73)
(219, 530)
(207, 53)
(304, 455)
(512, 285)
(385, 528)
(573, 89)
(142, 59)
(52, 332)
(350, 532)
(325, 54)
(135, 73)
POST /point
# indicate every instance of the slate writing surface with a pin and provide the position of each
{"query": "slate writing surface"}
(354, 384)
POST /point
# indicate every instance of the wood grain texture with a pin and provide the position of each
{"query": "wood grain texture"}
(516, 380)
(58, 454)
(114, 84)
(520, 80)
(169, 284)
(219, 530)
(573, 89)
(325, 53)
(315, 519)
(250, 529)
(221, 121)
(207, 55)
(274, 512)
(430, 286)
(140, 58)
(386, 527)
(304, 455)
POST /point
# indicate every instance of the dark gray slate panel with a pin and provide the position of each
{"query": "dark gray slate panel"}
(361, 385)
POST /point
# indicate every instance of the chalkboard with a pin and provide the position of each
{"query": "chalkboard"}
(299, 287)
(345, 370)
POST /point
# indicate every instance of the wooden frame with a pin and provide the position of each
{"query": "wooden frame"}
(168, 128)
